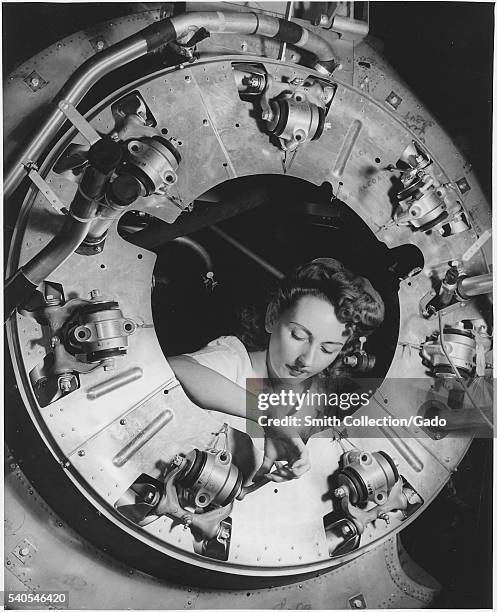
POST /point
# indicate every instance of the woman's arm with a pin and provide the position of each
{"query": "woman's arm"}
(213, 391)
(207, 388)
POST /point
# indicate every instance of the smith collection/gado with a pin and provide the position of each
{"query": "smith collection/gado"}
(167, 173)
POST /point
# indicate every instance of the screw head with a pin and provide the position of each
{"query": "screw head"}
(346, 530)
(100, 45)
(340, 492)
(24, 551)
(34, 82)
(65, 385)
(357, 603)
(122, 422)
(188, 78)
(81, 453)
(108, 364)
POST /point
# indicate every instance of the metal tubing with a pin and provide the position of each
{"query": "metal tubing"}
(256, 24)
(147, 40)
(56, 252)
(160, 232)
(198, 248)
(253, 256)
(470, 286)
(116, 382)
(74, 90)
(144, 436)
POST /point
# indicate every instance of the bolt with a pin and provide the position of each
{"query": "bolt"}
(108, 364)
(340, 492)
(24, 551)
(65, 383)
(122, 422)
(187, 521)
(177, 460)
(34, 81)
(81, 453)
(322, 20)
(346, 530)
(357, 603)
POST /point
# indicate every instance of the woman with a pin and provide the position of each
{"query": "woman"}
(313, 319)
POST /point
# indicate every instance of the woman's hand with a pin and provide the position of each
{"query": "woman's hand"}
(283, 443)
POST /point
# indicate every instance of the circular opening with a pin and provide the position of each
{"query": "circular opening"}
(223, 456)
(169, 178)
(364, 458)
(298, 137)
(81, 334)
(237, 125)
(377, 160)
(135, 147)
(128, 327)
(102, 266)
(202, 499)
(140, 256)
(286, 230)
(379, 497)
(164, 131)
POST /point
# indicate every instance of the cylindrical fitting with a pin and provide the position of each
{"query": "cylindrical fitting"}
(470, 286)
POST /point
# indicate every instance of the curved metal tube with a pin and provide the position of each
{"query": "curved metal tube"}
(470, 286)
(149, 39)
(78, 85)
(198, 248)
(21, 285)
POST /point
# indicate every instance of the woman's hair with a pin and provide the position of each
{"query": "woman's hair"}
(353, 298)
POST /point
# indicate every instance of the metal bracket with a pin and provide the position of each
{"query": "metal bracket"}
(80, 123)
(357, 602)
(45, 189)
(24, 550)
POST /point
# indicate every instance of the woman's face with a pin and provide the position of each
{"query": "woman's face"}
(304, 340)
